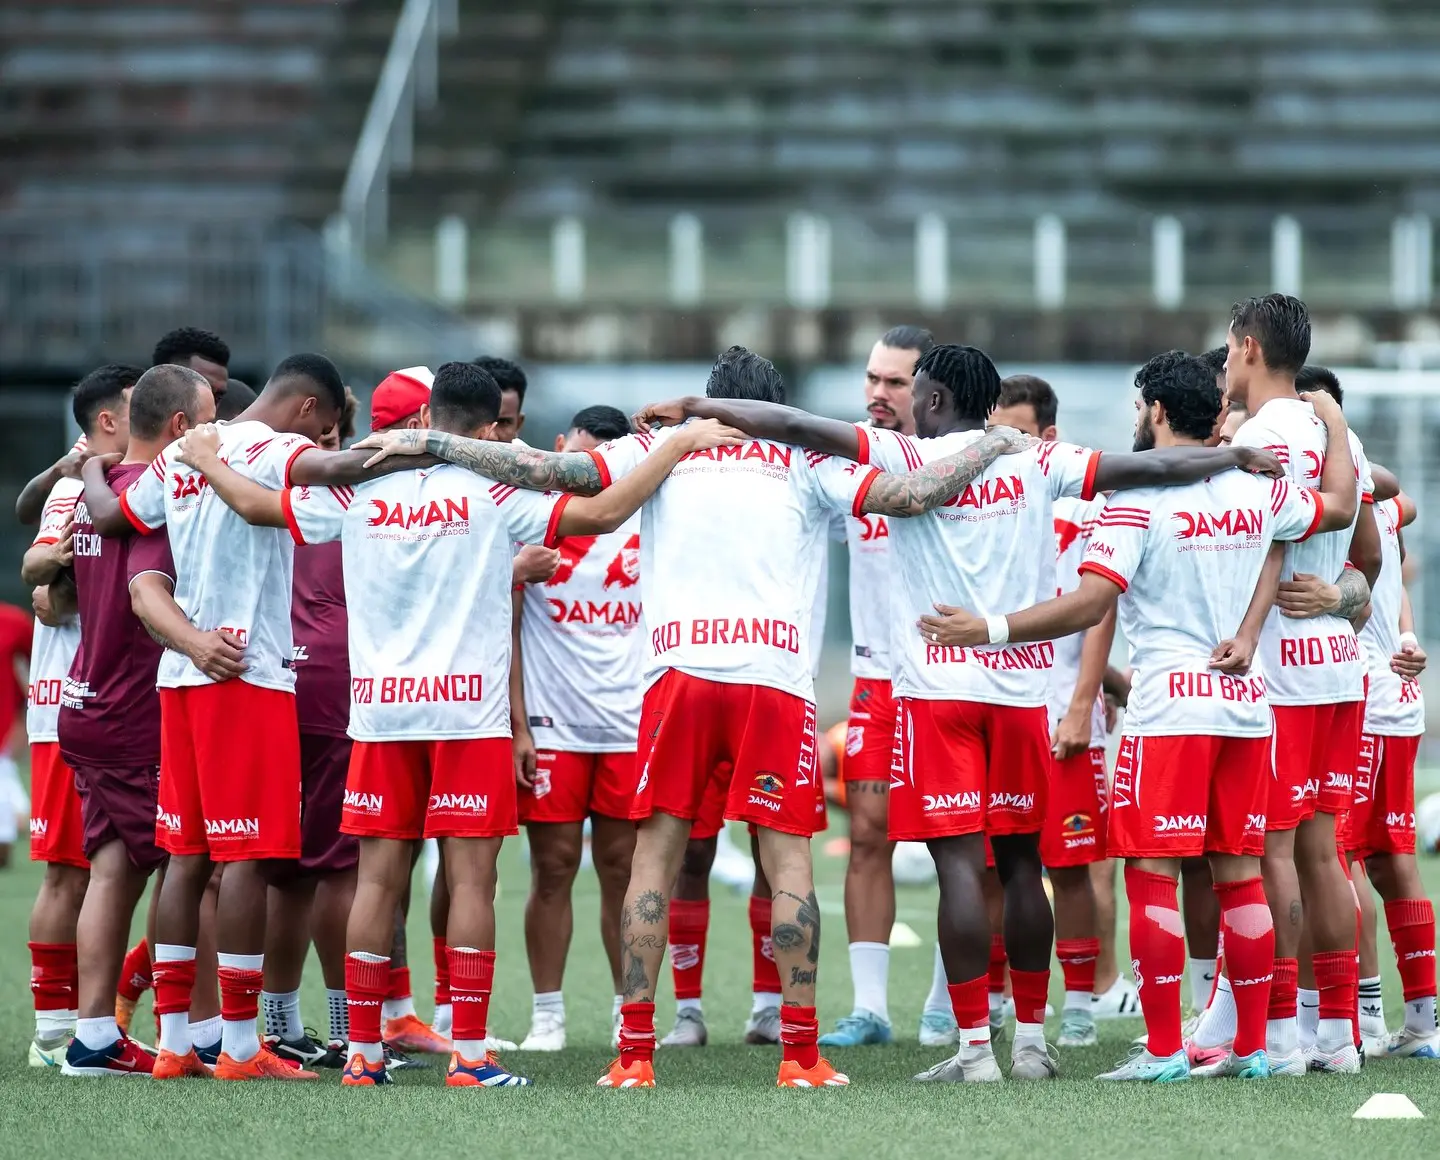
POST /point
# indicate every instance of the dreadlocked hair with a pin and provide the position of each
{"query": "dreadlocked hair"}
(967, 373)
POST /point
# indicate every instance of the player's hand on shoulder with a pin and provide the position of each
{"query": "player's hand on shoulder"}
(667, 414)
(954, 627)
(1013, 440)
(703, 434)
(535, 564)
(1259, 462)
(1233, 657)
(199, 445)
(70, 464)
(403, 441)
(1327, 410)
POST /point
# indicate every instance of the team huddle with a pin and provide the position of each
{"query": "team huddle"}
(282, 666)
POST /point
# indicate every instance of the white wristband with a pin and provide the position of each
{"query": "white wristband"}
(1409, 638)
(999, 629)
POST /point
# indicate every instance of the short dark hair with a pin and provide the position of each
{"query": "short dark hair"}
(915, 338)
(508, 375)
(1185, 387)
(1215, 359)
(463, 396)
(1280, 325)
(1313, 378)
(161, 392)
(181, 344)
(315, 369)
(604, 423)
(236, 398)
(743, 374)
(1018, 390)
(100, 389)
(967, 373)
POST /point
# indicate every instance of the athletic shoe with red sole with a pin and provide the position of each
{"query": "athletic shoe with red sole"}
(264, 1064)
(121, 1058)
(168, 1065)
(411, 1033)
(639, 1074)
(792, 1075)
(360, 1072)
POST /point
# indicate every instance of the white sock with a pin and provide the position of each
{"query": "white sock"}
(1202, 982)
(687, 1004)
(615, 1007)
(174, 1027)
(240, 1038)
(397, 1008)
(282, 1013)
(97, 1033)
(1077, 1000)
(997, 1006)
(339, 1015)
(1217, 1025)
(552, 1002)
(1334, 1033)
(763, 1001)
(870, 975)
(939, 997)
(1307, 1016)
(1282, 1037)
(471, 1049)
(442, 1023)
(1419, 1015)
(369, 1052)
(53, 1024)
(207, 1032)
(1029, 1035)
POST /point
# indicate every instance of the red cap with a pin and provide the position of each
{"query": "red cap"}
(399, 396)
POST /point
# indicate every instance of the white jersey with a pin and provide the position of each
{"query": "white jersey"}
(581, 646)
(1394, 707)
(819, 612)
(991, 549)
(867, 538)
(1187, 560)
(1313, 661)
(1074, 521)
(427, 584)
(731, 550)
(52, 649)
(228, 574)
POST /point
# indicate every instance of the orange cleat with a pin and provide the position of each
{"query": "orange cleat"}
(359, 1072)
(411, 1033)
(641, 1073)
(792, 1075)
(264, 1064)
(124, 1012)
(168, 1065)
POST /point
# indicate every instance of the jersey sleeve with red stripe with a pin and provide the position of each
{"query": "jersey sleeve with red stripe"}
(315, 515)
(143, 502)
(1297, 510)
(620, 457)
(271, 458)
(1069, 469)
(840, 484)
(531, 517)
(1117, 543)
(59, 505)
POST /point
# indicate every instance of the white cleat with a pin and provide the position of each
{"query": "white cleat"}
(689, 1030)
(50, 1052)
(939, 1029)
(547, 1032)
(1121, 1001)
(1405, 1044)
(1032, 1061)
(1077, 1029)
(494, 1043)
(1142, 1067)
(763, 1027)
(968, 1065)
(1338, 1059)
(1291, 1064)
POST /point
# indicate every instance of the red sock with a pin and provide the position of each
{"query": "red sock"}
(1412, 930)
(174, 981)
(442, 973)
(135, 974)
(365, 985)
(1157, 947)
(240, 994)
(799, 1029)
(997, 966)
(689, 923)
(1029, 989)
(1337, 978)
(53, 975)
(637, 1032)
(1250, 945)
(1077, 961)
(398, 985)
(1284, 981)
(971, 1005)
(471, 973)
(766, 975)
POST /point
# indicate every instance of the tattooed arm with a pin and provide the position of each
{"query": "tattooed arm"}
(919, 491)
(574, 471)
(217, 654)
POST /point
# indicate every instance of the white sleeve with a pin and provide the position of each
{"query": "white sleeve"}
(1254, 433)
(840, 485)
(620, 457)
(1117, 544)
(270, 460)
(888, 450)
(1296, 510)
(316, 515)
(1069, 469)
(58, 506)
(143, 502)
(1363, 475)
(531, 517)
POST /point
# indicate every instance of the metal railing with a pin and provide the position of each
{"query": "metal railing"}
(408, 81)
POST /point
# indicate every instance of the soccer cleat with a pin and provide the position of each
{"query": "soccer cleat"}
(792, 1075)
(1121, 1001)
(1032, 1061)
(689, 1029)
(1142, 1067)
(210, 1055)
(121, 1058)
(124, 1012)
(1077, 1029)
(971, 1064)
(302, 1052)
(495, 1043)
(938, 1029)
(411, 1033)
(398, 1060)
(264, 1064)
(486, 1072)
(547, 1032)
(48, 1052)
(1342, 1059)
(858, 1029)
(168, 1065)
(997, 1027)
(1205, 1056)
(763, 1027)
(1291, 1064)
(360, 1072)
(640, 1074)
(1256, 1065)
(1405, 1044)
(337, 1055)
(618, 1021)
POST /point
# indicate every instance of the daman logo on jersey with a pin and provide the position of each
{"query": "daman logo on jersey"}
(364, 803)
(1007, 490)
(232, 828)
(185, 486)
(940, 803)
(1180, 824)
(459, 803)
(1246, 522)
(425, 515)
(770, 453)
(614, 612)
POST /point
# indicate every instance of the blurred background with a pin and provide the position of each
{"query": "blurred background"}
(611, 191)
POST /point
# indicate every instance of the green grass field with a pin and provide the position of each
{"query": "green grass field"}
(717, 1101)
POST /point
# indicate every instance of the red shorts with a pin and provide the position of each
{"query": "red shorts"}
(1181, 797)
(569, 787)
(1315, 754)
(870, 736)
(57, 826)
(962, 767)
(1382, 820)
(408, 790)
(229, 772)
(1075, 811)
(689, 726)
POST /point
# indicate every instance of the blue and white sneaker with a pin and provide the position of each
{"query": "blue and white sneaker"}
(1142, 1067)
(48, 1052)
(486, 1072)
(859, 1029)
(121, 1058)
(938, 1029)
(210, 1055)
(1405, 1043)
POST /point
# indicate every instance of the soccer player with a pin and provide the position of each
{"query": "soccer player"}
(57, 832)
(1191, 775)
(238, 395)
(974, 752)
(582, 644)
(200, 350)
(728, 669)
(109, 714)
(869, 881)
(513, 383)
(17, 630)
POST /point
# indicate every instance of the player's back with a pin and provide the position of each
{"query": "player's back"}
(1393, 706)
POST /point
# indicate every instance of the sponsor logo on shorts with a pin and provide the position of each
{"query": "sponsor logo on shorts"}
(1179, 823)
(854, 740)
(232, 827)
(684, 956)
(768, 803)
(1339, 781)
(39, 827)
(1400, 821)
(1254, 823)
(168, 821)
(944, 803)
(364, 803)
(459, 803)
(769, 784)
(542, 782)
(1302, 793)
(300, 652)
(1012, 802)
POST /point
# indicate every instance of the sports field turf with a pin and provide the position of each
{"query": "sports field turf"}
(716, 1101)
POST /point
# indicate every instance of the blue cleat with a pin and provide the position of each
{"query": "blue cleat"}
(360, 1072)
(1142, 1067)
(487, 1071)
(858, 1029)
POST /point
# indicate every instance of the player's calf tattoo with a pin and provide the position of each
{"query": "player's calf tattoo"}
(807, 918)
(801, 978)
(649, 907)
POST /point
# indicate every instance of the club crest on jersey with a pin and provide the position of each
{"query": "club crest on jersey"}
(770, 784)
(1235, 522)
(425, 515)
(624, 570)
(1075, 825)
(542, 783)
(854, 740)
